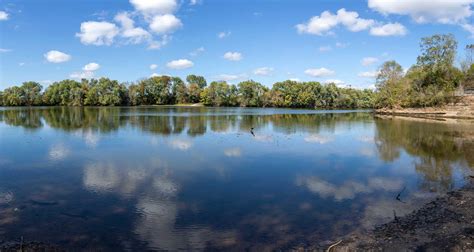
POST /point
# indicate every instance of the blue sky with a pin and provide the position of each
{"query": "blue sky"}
(233, 40)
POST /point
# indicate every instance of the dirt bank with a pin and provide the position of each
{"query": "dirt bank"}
(445, 224)
(464, 109)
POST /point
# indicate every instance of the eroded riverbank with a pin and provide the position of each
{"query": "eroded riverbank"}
(462, 110)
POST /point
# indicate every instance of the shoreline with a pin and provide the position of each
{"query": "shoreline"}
(462, 110)
(444, 224)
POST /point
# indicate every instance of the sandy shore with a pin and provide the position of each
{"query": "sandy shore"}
(462, 110)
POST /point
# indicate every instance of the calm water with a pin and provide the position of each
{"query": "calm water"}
(167, 178)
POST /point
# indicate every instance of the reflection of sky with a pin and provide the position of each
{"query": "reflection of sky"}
(224, 187)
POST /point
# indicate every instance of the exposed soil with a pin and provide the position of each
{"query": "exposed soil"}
(445, 224)
(461, 110)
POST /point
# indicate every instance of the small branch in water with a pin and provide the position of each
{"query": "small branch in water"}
(395, 216)
(332, 246)
(400, 193)
(251, 132)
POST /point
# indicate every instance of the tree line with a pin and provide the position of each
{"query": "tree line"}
(167, 90)
(434, 80)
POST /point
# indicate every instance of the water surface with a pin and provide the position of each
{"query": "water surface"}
(176, 178)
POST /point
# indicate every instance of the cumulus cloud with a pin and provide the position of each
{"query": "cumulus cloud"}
(319, 72)
(4, 50)
(164, 24)
(88, 71)
(54, 56)
(422, 11)
(335, 81)
(91, 67)
(222, 35)
(367, 61)
(264, 71)
(321, 25)
(154, 7)
(3, 16)
(135, 35)
(180, 64)
(324, 23)
(391, 29)
(97, 33)
(229, 77)
(153, 66)
(341, 45)
(197, 51)
(233, 56)
(369, 74)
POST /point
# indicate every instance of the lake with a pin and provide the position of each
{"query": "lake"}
(193, 178)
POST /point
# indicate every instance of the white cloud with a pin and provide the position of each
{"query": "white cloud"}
(97, 33)
(135, 35)
(325, 48)
(154, 7)
(193, 2)
(335, 81)
(180, 64)
(82, 75)
(264, 71)
(4, 50)
(153, 66)
(422, 11)
(469, 28)
(319, 72)
(295, 79)
(229, 77)
(352, 21)
(322, 25)
(367, 61)
(222, 35)
(372, 74)
(91, 67)
(164, 24)
(233, 56)
(21, 63)
(391, 29)
(158, 44)
(341, 45)
(88, 71)
(197, 51)
(3, 16)
(54, 56)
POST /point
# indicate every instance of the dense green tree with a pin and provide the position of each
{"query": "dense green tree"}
(251, 93)
(391, 87)
(179, 90)
(32, 93)
(220, 94)
(106, 92)
(196, 79)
